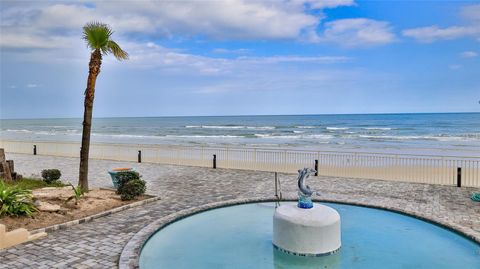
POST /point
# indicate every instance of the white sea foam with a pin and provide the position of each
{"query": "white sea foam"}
(298, 132)
(18, 131)
(379, 128)
(337, 128)
(203, 136)
(416, 137)
(311, 136)
(305, 127)
(231, 127)
(321, 136)
(398, 137)
(261, 127)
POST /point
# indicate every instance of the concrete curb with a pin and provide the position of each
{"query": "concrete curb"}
(92, 217)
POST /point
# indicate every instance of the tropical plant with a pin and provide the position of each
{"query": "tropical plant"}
(15, 201)
(77, 194)
(97, 36)
(132, 189)
(51, 175)
(125, 176)
(130, 185)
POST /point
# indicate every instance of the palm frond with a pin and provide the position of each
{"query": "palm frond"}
(116, 50)
(97, 35)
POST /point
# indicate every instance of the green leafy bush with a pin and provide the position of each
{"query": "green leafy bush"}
(15, 201)
(124, 177)
(132, 189)
(51, 175)
(130, 185)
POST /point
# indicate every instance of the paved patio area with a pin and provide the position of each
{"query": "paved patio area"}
(99, 243)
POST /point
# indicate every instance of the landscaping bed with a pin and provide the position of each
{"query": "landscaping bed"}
(56, 203)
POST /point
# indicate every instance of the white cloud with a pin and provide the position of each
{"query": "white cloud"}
(468, 54)
(433, 33)
(428, 34)
(321, 4)
(231, 51)
(471, 12)
(32, 85)
(294, 59)
(230, 19)
(12, 39)
(359, 32)
(455, 66)
(150, 55)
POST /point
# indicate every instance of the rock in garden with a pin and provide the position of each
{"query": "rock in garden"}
(47, 207)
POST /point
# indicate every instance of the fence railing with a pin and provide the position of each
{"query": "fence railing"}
(444, 170)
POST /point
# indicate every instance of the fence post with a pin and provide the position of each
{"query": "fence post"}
(139, 156)
(459, 177)
(276, 186)
(214, 161)
(316, 168)
(34, 149)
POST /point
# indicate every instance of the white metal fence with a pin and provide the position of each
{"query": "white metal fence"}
(432, 169)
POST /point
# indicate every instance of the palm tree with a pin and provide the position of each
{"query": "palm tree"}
(97, 36)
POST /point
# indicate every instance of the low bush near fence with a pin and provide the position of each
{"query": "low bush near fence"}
(51, 175)
(130, 185)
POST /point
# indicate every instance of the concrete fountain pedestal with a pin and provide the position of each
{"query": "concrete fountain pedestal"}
(306, 232)
(305, 229)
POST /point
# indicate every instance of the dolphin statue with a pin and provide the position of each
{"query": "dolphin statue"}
(302, 175)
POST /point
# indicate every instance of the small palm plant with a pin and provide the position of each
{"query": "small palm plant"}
(77, 194)
(98, 38)
(15, 201)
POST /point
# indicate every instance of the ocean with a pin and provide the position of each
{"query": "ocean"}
(435, 132)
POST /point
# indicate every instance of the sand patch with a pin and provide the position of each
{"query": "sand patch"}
(93, 202)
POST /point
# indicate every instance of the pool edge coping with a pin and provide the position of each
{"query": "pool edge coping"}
(130, 255)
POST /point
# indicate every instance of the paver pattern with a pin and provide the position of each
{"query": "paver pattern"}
(99, 243)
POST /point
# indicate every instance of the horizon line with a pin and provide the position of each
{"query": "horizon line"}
(245, 115)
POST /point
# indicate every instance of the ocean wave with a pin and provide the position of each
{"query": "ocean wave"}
(306, 127)
(18, 131)
(310, 136)
(298, 132)
(337, 128)
(379, 128)
(204, 136)
(398, 137)
(125, 135)
(426, 137)
(261, 127)
(231, 127)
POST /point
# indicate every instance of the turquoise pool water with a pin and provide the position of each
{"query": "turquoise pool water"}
(240, 237)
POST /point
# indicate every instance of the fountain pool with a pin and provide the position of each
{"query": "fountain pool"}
(241, 237)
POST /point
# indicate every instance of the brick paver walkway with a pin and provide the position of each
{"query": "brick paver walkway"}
(98, 244)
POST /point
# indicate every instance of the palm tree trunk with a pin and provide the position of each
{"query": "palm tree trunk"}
(94, 70)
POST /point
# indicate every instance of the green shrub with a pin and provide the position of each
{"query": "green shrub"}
(124, 177)
(132, 189)
(130, 185)
(51, 175)
(15, 201)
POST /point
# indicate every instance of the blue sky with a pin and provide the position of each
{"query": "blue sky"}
(242, 57)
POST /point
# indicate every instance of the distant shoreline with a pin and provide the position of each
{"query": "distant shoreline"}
(259, 115)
